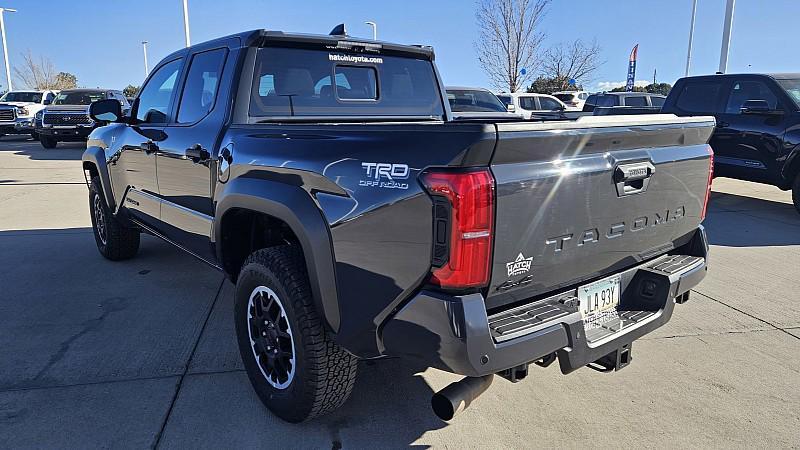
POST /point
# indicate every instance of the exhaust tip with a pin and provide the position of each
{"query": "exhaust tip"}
(443, 407)
(457, 397)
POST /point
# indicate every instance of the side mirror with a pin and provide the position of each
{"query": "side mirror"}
(758, 107)
(47, 102)
(106, 110)
(511, 108)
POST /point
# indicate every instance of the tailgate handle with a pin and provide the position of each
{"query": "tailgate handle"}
(633, 178)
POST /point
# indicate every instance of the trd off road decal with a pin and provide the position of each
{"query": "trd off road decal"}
(519, 266)
(385, 175)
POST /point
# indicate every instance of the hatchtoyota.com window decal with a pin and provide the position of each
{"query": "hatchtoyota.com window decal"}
(354, 59)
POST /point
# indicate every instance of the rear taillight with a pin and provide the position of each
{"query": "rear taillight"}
(464, 227)
(710, 179)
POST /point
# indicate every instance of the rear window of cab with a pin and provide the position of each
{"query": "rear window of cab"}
(291, 82)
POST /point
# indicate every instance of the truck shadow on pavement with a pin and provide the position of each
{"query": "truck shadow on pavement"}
(391, 399)
(19, 145)
(130, 326)
(740, 221)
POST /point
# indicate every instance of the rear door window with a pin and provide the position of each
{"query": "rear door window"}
(202, 83)
(528, 103)
(606, 101)
(699, 97)
(657, 101)
(742, 91)
(307, 83)
(549, 104)
(636, 101)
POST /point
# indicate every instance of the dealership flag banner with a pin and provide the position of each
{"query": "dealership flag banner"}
(632, 68)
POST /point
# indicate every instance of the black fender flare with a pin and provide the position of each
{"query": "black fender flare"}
(97, 157)
(295, 207)
(791, 168)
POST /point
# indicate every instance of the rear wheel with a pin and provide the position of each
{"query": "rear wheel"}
(296, 369)
(796, 192)
(48, 142)
(114, 240)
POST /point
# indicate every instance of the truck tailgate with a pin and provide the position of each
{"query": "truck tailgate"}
(580, 200)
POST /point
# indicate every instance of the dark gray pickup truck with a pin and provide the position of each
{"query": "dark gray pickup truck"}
(327, 177)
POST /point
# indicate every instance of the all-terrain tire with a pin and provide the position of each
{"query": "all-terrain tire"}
(115, 240)
(48, 142)
(796, 192)
(323, 373)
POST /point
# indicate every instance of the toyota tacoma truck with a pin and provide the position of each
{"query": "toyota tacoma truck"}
(326, 177)
(18, 109)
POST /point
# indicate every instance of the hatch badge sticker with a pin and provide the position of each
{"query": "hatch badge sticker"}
(519, 266)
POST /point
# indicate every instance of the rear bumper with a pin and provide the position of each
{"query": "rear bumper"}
(454, 333)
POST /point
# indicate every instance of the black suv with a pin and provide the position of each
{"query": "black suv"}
(757, 137)
(633, 99)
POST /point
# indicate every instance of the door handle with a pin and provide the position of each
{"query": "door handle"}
(723, 124)
(149, 147)
(633, 178)
(197, 153)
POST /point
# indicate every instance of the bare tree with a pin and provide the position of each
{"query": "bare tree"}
(578, 61)
(41, 74)
(509, 40)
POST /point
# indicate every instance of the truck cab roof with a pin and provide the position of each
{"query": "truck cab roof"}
(265, 37)
(777, 76)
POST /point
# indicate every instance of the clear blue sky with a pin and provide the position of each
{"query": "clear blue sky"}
(99, 40)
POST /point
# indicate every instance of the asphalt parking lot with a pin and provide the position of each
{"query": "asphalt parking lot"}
(142, 353)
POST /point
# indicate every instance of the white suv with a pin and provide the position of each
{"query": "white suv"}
(573, 99)
(18, 111)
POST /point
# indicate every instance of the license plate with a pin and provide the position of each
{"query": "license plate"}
(598, 297)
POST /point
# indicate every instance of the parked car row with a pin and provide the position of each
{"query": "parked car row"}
(570, 105)
(755, 138)
(652, 102)
(53, 116)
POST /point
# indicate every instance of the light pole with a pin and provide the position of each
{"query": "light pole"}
(726, 36)
(186, 22)
(691, 37)
(144, 49)
(374, 30)
(5, 48)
